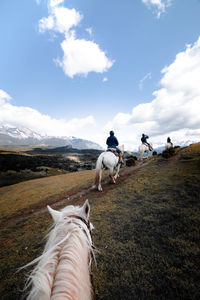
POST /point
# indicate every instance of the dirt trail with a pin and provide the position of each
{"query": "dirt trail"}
(176, 157)
(76, 197)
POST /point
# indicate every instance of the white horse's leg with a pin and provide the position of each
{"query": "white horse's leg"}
(117, 172)
(111, 175)
(99, 185)
(141, 155)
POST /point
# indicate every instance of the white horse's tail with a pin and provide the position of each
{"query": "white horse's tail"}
(98, 169)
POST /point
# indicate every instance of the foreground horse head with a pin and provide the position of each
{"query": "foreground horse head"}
(144, 149)
(109, 160)
(63, 270)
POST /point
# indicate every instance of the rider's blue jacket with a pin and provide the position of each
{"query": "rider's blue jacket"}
(144, 139)
(112, 141)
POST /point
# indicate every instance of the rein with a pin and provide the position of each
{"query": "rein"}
(83, 220)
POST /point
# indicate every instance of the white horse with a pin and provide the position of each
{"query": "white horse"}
(144, 149)
(168, 145)
(63, 270)
(109, 160)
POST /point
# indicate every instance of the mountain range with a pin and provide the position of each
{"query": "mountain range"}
(17, 136)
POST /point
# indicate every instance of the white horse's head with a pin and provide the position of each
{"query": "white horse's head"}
(62, 215)
(63, 269)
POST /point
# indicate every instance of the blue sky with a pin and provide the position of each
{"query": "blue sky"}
(84, 67)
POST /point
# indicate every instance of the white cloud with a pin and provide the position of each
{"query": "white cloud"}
(147, 76)
(43, 124)
(46, 24)
(80, 56)
(105, 79)
(175, 109)
(4, 97)
(158, 6)
(54, 3)
(61, 19)
(89, 30)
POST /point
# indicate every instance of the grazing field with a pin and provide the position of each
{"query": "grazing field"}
(147, 229)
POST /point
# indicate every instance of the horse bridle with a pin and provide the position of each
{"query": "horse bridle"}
(87, 223)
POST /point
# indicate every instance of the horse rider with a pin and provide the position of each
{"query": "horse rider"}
(112, 143)
(169, 141)
(144, 141)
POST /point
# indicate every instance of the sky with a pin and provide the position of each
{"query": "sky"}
(84, 67)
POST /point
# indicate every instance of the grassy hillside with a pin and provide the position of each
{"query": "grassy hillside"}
(46, 190)
(147, 230)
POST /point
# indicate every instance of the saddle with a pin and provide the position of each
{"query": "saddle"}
(113, 150)
(149, 146)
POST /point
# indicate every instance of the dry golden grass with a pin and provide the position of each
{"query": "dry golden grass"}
(193, 149)
(23, 195)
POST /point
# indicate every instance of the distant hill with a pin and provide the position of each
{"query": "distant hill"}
(13, 136)
(65, 149)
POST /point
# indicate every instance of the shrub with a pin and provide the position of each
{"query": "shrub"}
(168, 153)
(130, 162)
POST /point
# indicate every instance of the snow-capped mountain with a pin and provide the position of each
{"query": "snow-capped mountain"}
(20, 132)
(25, 136)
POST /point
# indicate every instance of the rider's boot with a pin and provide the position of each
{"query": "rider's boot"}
(120, 158)
(150, 148)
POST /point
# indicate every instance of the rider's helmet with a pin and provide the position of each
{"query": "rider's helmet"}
(111, 132)
(143, 134)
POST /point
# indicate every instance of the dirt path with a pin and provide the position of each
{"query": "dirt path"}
(176, 157)
(76, 197)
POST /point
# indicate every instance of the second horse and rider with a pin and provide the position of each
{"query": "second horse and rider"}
(112, 143)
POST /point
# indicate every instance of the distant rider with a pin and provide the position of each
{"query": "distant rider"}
(112, 143)
(144, 141)
(169, 141)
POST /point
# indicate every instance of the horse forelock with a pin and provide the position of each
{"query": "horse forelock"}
(62, 271)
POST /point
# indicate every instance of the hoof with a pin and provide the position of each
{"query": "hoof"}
(100, 189)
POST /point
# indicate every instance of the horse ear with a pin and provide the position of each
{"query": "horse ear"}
(54, 213)
(86, 209)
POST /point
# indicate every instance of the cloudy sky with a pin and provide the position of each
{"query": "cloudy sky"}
(85, 67)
